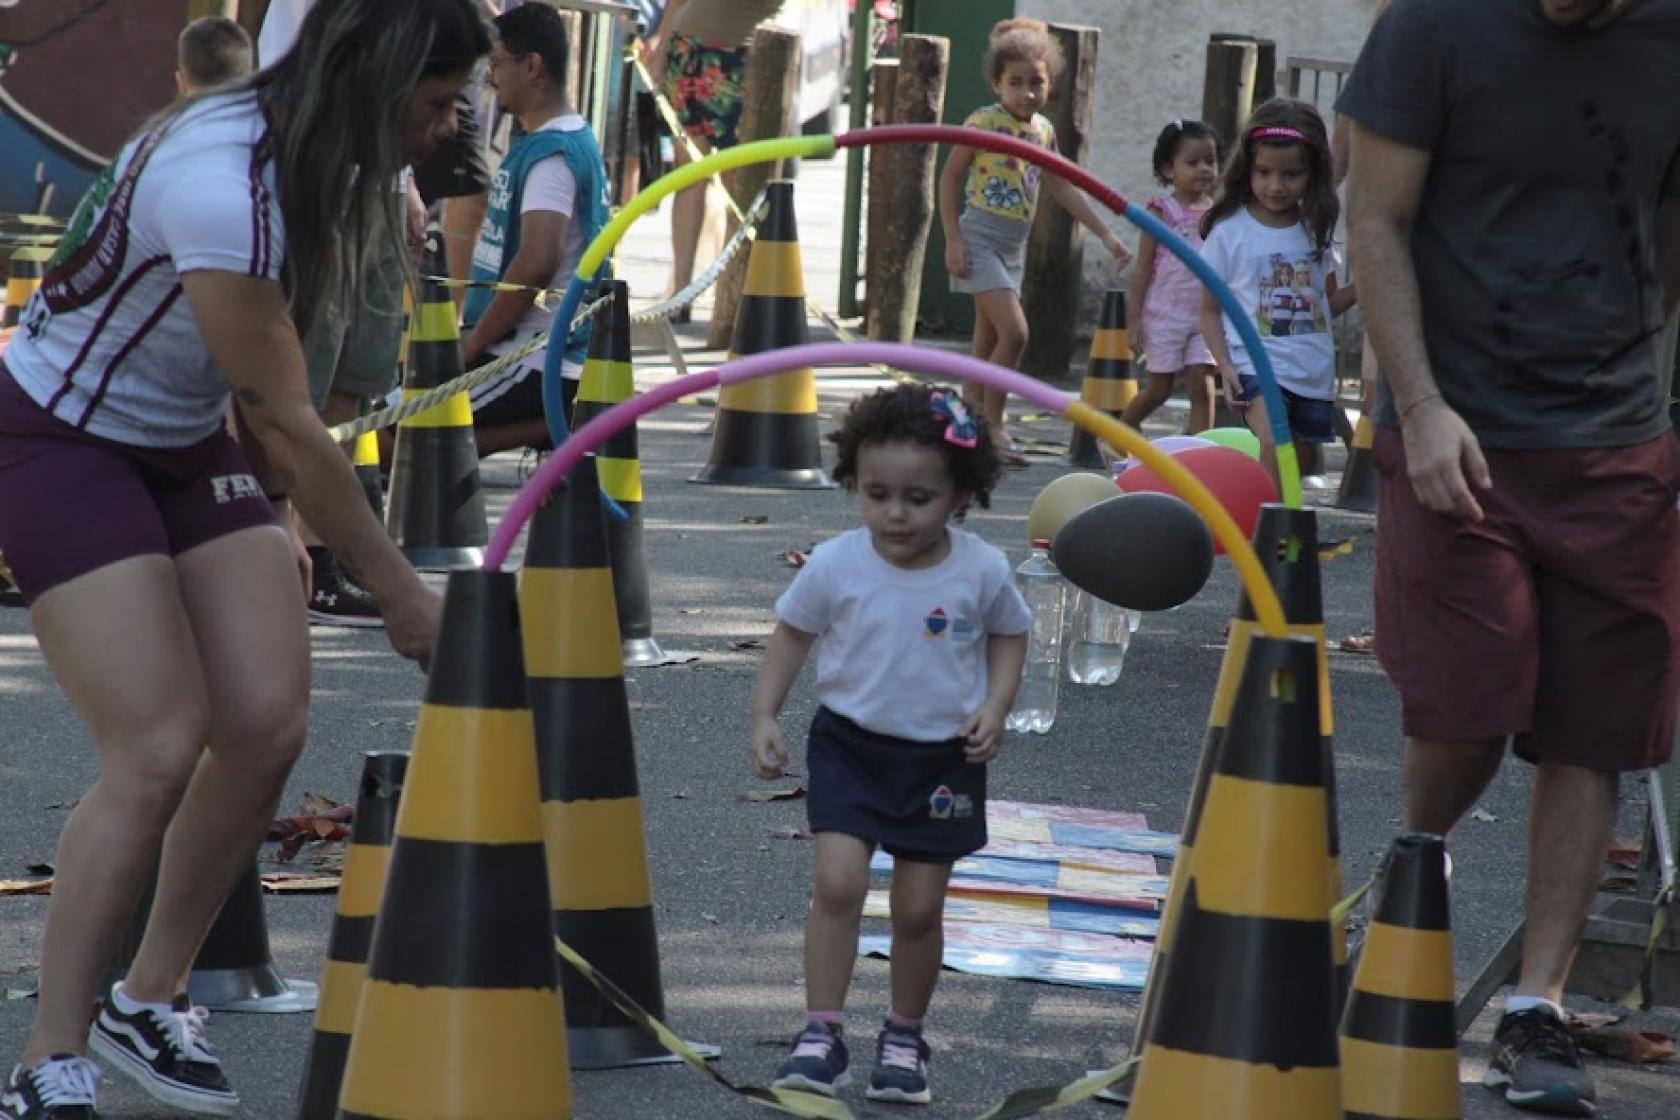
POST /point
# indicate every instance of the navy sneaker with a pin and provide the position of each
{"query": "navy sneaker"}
(901, 1067)
(167, 1055)
(60, 1088)
(1537, 1064)
(817, 1063)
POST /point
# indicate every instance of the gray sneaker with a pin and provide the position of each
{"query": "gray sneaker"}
(1536, 1063)
(817, 1064)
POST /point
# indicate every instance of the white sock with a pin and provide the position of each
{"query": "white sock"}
(1514, 1004)
(129, 1006)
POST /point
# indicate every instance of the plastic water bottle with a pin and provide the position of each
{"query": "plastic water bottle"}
(1097, 640)
(1046, 593)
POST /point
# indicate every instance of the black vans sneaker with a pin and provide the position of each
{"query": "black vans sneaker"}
(1538, 1066)
(334, 600)
(167, 1055)
(60, 1088)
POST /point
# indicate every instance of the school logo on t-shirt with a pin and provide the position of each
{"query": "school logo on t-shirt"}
(1291, 296)
(937, 623)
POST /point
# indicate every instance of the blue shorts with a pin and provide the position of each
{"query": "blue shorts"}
(923, 802)
(1310, 419)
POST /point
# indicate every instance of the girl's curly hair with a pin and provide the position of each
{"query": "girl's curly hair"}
(905, 414)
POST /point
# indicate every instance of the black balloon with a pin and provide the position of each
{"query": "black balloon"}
(1144, 551)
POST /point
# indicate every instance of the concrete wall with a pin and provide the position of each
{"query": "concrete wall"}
(1150, 67)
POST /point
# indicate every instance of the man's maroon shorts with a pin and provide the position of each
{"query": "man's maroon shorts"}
(1556, 619)
(71, 502)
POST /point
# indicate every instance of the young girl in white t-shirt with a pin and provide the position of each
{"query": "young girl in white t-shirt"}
(920, 636)
(1269, 237)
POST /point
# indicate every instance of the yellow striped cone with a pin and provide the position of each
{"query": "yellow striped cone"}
(1245, 1027)
(1286, 541)
(1109, 384)
(22, 280)
(608, 379)
(460, 1014)
(766, 431)
(592, 810)
(365, 458)
(365, 861)
(436, 507)
(1359, 478)
(1399, 1040)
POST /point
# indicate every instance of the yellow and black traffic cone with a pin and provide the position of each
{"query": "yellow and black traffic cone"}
(364, 457)
(1358, 490)
(592, 810)
(365, 861)
(461, 1014)
(608, 379)
(436, 508)
(1286, 541)
(22, 280)
(1109, 385)
(1245, 1025)
(766, 431)
(1399, 1039)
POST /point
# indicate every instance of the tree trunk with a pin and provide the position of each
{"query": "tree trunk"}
(1054, 276)
(895, 287)
(770, 101)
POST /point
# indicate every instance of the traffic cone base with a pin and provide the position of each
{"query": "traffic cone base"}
(461, 1014)
(1109, 384)
(1234, 1088)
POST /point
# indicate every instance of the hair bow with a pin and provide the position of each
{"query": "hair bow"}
(959, 425)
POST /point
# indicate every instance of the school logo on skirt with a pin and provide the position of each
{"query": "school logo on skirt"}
(943, 804)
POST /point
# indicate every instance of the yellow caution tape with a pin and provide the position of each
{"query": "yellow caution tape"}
(1340, 912)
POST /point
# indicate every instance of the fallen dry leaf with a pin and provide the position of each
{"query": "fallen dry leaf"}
(285, 882)
(756, 519)
(25, 886)
(748, 643)
(1484, 816)
(794, 558)
(1624, 1044)
(771, 794)
(1625, 852)
(788, 832)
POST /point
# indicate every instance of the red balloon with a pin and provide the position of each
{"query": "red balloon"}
(1240, 483)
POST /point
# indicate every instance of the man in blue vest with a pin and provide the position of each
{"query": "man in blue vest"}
(547, 202)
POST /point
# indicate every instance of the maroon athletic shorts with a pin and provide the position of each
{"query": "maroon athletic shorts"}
(1556, 619)
(71, 502)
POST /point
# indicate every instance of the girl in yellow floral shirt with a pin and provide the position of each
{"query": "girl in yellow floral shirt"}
(986, 246)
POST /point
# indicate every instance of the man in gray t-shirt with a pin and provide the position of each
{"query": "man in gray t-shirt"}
(1514, 219)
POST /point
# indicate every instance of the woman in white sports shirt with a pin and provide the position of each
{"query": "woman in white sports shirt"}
(145, 539)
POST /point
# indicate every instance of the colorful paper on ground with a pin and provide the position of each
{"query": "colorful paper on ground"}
(1085, 828)
(1080, 960)
(1036, 912)
(995, 874)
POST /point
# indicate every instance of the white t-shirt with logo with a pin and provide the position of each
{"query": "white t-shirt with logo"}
(1278, 278)
(109, 344)
(903, 652)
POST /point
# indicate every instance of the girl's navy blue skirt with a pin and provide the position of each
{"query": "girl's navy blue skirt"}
(919, 801)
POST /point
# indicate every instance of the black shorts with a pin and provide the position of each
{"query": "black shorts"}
(920, 801)
(516, 398)
(457, 167)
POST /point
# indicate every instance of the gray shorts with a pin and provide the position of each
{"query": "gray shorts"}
(997, 252)
(357, 353)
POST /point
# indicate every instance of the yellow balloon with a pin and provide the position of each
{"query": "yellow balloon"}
(1058, 502)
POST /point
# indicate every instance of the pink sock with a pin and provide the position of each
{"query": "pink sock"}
(905, 1022)
(835, 1021)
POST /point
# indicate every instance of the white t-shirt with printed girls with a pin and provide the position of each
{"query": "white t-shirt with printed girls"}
(1279, 279)
(903, 651)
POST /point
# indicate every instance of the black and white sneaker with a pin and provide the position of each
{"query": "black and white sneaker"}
(60, 1088)
(165, 1054)
(334, 600)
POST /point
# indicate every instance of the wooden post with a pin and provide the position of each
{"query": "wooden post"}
(251, 16)
(1054, 275)
(198, 9)
(895, 287)
(770, 103)
(1228, 90)
(1265, 69)
(880, 113)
